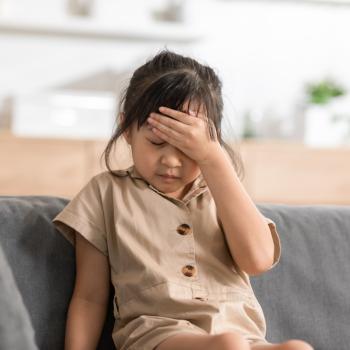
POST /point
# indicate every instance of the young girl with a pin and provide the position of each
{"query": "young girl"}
(176, 233)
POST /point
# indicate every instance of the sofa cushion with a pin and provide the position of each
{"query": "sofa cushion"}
(43, 265)
(306, 295)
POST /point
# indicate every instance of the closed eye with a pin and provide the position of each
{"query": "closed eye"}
(157, 144)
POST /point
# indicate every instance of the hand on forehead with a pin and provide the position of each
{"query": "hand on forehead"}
(192, 108)
(149, 131)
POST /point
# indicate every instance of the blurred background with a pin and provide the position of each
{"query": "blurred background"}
(284, 67)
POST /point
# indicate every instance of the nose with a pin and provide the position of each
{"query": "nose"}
(171, 157)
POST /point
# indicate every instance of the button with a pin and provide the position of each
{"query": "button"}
(184, 229)
(189, 270)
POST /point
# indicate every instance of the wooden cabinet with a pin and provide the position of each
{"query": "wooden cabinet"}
(285, 172)
(58, 167)
(275, 171)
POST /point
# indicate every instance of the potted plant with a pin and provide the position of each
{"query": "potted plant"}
(327, 114)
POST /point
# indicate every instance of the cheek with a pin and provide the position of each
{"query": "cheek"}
(150, 152)
(194, 169)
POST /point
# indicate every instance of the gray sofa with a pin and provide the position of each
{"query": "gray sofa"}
(306, 296)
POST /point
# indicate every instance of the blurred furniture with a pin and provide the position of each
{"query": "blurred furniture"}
(48, 166)
(304, 297)
(275, 171)
(292, 173)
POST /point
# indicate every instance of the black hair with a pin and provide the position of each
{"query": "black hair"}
(170, 79)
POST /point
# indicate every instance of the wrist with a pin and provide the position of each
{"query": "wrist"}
(215, 151)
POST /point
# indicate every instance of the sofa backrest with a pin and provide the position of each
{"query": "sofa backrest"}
(306, 296)
(43, 265)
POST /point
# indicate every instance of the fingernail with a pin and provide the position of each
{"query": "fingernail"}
(191, 112)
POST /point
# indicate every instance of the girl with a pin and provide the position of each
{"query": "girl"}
(176, 233)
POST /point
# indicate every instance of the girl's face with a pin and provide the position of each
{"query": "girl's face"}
(154, 158)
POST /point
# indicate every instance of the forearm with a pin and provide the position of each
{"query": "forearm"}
(84, 324)
(247, 233)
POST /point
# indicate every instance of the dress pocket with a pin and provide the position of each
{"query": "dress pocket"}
(241, 311)
(228, 293)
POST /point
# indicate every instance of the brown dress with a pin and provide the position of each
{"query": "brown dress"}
(170, 264)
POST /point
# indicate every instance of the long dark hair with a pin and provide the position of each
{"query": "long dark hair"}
(170, 79)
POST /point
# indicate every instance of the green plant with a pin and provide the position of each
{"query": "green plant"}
(323, 91)
(248, 126)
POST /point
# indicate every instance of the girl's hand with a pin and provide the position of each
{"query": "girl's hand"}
(188, 133)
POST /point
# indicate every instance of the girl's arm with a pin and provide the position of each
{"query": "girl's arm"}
(88, 305)
(247, 232)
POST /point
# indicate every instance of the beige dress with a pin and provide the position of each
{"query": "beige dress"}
(171, 268)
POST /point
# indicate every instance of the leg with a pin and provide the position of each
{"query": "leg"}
(293, 344)
(223, 341)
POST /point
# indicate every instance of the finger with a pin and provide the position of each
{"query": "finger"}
(158, 119)
(165, 136)
(165, 129)
(178, 115)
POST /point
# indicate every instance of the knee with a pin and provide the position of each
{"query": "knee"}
(296, 344)
(230, 341)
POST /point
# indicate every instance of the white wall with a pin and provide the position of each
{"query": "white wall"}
(265, 53)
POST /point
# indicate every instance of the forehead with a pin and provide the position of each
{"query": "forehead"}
(195, 105)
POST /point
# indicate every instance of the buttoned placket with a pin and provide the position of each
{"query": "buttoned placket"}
(189, 270)
(198, 291)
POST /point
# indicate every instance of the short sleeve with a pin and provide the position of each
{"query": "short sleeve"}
(276, 241)
(84, 214)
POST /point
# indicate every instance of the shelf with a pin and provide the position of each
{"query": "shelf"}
(98, 29)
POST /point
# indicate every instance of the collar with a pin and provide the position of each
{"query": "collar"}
(198, 187)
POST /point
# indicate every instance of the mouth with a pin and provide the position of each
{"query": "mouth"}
(165, 176)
